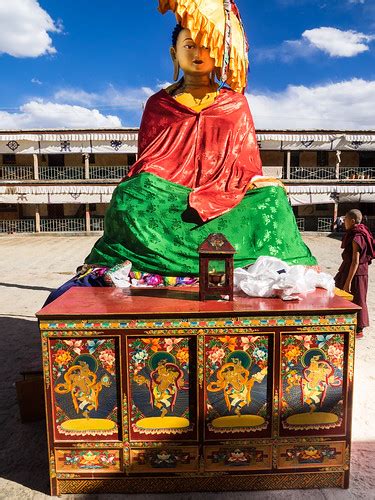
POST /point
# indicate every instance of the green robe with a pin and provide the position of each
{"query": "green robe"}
(144, 224)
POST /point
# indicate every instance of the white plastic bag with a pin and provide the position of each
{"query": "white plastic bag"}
(271, 277)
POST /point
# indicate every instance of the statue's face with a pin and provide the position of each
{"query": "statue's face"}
(193, 60)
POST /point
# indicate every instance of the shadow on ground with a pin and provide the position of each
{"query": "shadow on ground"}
(26, 287)
(23, 452)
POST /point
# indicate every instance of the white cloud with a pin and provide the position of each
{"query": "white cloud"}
(163, 85)
(332, 41)
(129, 99)
(77, 108)
(40, 114)
(25, 28)
(36, 81)
(357, 1)
(345, 105)
(337, 43)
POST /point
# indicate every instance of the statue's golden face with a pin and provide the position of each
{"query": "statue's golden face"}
(193, 60)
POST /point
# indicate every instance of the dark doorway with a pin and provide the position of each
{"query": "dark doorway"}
(367, 159)
(56, 160)
(55, 211)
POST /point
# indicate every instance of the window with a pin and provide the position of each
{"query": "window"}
(9, 159)
(132, 158)
(367, 158)
(294, 159)
(322, 159)
(56, 160)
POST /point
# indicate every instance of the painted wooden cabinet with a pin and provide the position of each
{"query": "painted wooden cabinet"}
(154, 391)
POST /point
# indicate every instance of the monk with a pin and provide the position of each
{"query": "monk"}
(359, 250)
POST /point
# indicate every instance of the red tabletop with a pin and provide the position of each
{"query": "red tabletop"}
(116, 302)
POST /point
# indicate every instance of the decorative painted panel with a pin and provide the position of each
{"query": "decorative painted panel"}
(165, 459)
(312, 374)
(311, 455)
(196, 323)
(237, 385)
(162, 393)
(241, 458)
(88, 460)
(84, 389)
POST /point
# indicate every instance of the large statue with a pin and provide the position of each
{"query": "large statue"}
(199, 169)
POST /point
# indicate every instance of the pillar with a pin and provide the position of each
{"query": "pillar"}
(87, 165)
(36, 166)
(88, 218)
(338, 162)
(288, 159)
(37, 219)
(335, 214)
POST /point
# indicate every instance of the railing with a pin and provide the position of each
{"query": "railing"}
(313, 173)
(300, 223)
(57, 173)
(354, 173)
(325, 224)
(108, 172)
(62, 225)
(17, 226)
(48, 173)
(16, 172)
(97, 224)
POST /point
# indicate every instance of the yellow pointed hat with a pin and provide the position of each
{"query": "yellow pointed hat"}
(216, 24)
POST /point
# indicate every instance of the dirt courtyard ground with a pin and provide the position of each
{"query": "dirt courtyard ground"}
(34, 265)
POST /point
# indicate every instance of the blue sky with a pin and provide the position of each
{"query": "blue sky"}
(81, 63)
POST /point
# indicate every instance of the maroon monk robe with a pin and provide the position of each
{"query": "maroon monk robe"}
(214, 152)
(364, 239)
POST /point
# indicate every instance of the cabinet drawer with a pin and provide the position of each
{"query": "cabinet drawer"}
(88, 460)
(291, 456)
(240, 458)
(165, 459)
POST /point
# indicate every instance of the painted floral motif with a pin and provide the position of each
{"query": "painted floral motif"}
(311, 454)
(183, 356)
(75, 344)
(246, 342)
(163, 458)
(107, 357)
(238, 457)
(62, 358)
(216, 355)
(90, 459)
(292, 353)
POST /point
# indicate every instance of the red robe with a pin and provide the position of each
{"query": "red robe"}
(214, 152)
(361, 235)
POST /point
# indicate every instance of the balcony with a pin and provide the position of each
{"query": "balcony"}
(355, 173)
(17, 226)
(47, 173)
(104, 172)
(332, 173)
(16, 172)
(312, 173)
(59, 173)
